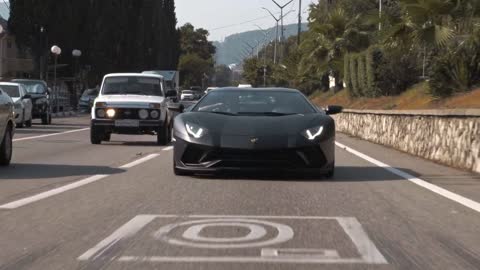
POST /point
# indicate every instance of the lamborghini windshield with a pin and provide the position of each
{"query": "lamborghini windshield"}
(255, 102)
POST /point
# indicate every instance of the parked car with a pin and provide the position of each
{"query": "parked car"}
(187, 95)
(22, 103)
(134, 104)
(40, 94)
(7, 128)
(87, 99)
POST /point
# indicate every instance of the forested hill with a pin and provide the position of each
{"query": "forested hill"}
(233, 49)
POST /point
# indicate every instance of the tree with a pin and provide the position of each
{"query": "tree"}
(197, 56)
(114, 35)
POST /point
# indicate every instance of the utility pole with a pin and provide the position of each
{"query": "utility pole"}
(277, 20)
(281, 16)
(299, 21)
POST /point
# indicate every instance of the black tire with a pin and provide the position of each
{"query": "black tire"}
(162, 135)
(28, 123)
(46, 118)
(22, 124)
(108, 137)
(6, 148)
(330, 173)
(96, 135)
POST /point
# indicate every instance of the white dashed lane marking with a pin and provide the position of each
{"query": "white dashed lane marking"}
(77, 184)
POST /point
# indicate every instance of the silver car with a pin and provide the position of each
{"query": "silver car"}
(22, 101)
(7, 128)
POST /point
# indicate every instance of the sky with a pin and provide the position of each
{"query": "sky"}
(225, 17)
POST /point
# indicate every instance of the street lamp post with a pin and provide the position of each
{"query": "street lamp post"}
(56, 51)
(76, 55)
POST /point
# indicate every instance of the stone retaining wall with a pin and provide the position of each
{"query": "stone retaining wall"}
(450, 137)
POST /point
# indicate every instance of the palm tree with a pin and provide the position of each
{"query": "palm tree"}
(330, 37)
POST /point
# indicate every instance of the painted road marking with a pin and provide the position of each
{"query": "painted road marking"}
(284, 233)
(50, 135)
(367, 250)
(436, 189)
(81, 183)
(168, 148)
(140, 161)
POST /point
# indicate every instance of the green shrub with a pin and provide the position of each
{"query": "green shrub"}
(353, 76)
(456, 70)
(347, 75)
(396, 72)
(373, 57)
(361, 75)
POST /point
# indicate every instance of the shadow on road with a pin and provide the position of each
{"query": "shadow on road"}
(342, 174)
(48, 171)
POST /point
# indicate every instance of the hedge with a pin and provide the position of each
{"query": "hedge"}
(362, 74)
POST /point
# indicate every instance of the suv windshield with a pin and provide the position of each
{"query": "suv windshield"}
(34, 87)
(11, 90)
(255, 103)
(132, 86)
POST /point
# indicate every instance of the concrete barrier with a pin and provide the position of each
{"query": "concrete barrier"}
(450, 137)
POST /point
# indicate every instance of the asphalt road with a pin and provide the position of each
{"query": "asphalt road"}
(67, 204)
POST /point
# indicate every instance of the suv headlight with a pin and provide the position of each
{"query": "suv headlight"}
(143, 114)
(313, 133)
(195, 130)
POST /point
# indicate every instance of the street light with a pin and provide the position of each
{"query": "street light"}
(56, 51)
(76, 55)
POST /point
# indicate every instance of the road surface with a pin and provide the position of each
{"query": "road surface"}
(67, 204)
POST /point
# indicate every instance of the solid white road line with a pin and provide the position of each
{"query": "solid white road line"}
(140, 161)
(56, 191)
(50, 135)
(168, 148)
(436, 189)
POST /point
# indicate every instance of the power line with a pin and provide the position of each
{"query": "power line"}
(241, 23)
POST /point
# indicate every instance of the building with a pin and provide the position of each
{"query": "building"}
(14, 63)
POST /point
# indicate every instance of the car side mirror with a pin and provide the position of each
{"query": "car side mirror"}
(176, 107)
(27, 96)
(331, 110)
(171, 93)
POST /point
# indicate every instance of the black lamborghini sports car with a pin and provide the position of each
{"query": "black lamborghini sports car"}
(270, 129)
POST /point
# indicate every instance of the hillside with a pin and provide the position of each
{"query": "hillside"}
(416, 98)
(230, 50)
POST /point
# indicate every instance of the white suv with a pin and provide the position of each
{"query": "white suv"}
(131, 103)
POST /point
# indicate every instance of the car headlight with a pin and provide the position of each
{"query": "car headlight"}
(101, 113)
(195, 130)
(313, 133)
(111, 113)
(143, 114)
(154, 114)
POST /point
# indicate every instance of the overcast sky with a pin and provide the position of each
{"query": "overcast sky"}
(225, 17)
